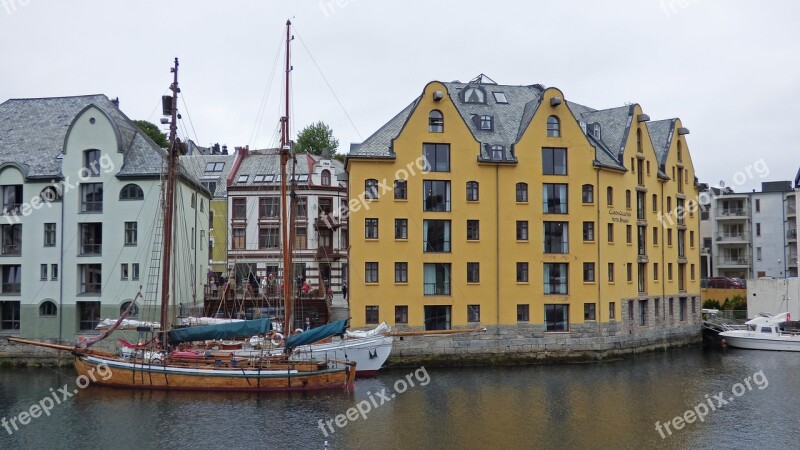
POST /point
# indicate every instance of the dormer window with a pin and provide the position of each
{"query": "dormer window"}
(474, 95)
(553, 127)
(596, 131)
(500, 97)
(325, 177)
(435, 122)
(486, 123)
(497, 152)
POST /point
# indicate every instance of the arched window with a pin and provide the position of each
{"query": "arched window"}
(639, 140)
(474, 95)
(131, 192)
(134, 310)
(588, 193)
(325, 177)
(436, 121)
(472, 191)
(91, 163)
(522, 192)
(48, 309)
(50, 194)
(610, 195)
(371, 189)
(553, 127)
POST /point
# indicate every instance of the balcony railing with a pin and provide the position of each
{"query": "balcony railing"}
(91, 249)
(12, 249)
(733, 236)
(731, 261)
(11, 288)
(326, 252)
(437, 288)
(327, 221)
(733, 212)
(791, 234)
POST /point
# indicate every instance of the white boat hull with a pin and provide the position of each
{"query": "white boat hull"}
(755, 341)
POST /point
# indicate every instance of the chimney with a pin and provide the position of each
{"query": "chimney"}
(224, 149)
(215, 149)
(116, 102)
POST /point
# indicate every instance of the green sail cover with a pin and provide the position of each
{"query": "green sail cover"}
(316, 334)
(220, 331)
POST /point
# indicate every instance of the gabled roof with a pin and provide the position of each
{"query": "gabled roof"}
(380, 143)
(196, 166)
(268, 162)
(661, 132)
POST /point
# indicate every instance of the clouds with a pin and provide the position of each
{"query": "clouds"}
(727, 69)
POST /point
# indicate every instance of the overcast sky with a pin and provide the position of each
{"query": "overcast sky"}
(728, 69)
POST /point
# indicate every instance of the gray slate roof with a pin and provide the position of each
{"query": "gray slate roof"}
(268, 162)
(32, 133)
(380, 143)
(661, 132)
(196, 166)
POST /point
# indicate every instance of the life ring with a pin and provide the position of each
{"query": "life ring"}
(277, 340)
(298, 331)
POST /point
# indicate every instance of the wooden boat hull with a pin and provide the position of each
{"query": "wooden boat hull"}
(114, 372)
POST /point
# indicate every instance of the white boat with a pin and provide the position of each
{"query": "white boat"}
(764, 333)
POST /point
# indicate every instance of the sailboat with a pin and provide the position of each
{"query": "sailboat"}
(154, 364)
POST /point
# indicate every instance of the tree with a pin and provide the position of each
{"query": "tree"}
(152, 130)
(316, 137)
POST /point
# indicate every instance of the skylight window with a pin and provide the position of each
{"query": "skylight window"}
(215, 166)
(258, 179)
(269, 178)
(242, 179)
(301, 178)
(500, 97)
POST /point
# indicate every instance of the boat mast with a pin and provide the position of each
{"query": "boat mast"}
(288, 281)
(169, 205)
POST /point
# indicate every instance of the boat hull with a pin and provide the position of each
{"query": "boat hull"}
(125, 374)
(369, 354)
(754, 341)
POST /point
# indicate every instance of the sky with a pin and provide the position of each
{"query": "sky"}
(729, 69)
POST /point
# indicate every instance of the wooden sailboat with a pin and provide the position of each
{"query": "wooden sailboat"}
(157, 367)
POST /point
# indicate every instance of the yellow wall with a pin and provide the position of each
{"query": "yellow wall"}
(219, 232)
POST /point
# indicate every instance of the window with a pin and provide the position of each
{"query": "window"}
(53, 271)
(691, 239)
(611, 310)
(301, 208)
(268, 238)
(669, 271)
(48, 309)
(214, 166)
(486, 123)
(12, 240)
(371, 312)
(90, 278)
(758, 253)
(436, 236)
(610, 232)
(556, 317)
(680, 211)
(758, 229)
(554, 198)
(239, 210)
(680, 152)
(553, 127)
(669, 237)
(401, 314)
(135, 271)
(134, 310)
(401, 272)
(437, 317)
(435, 121)
(681, 276)
(131, 233)
(669, 204)
(91, 197)
(641, 240)
(671, 309)
(610, 196)
(194, 201)
(400, 189)
(628, 199)
(640, 172)
(210, 185)
(758, 205)
(610, 272)
(522, 192)
(301, 238)
(629, 234)
(523, 313)
(371, 272)
(640, 207)
(497, 152)
(589, 311)
(9, 315)
(242, 179)
(436, 279)
(131, 192)
(258, 179)
(472, 191)
(12, 198)
(554, 161)
(12, 279)
(500, 97)
(371, 228)
(641, 275)
(556, 237)
(682, 309)
(655, 271)
(657, 305)
(681, 243)
(436, 196)
(629, 272)
(655, 203)
(474, 95)
(325, 206)
(555, 278)
(522, 230)
(473, 230)
(400, 228)
(371, 189)
(437, 157)
(91, 163)
(588, 272)
(50, 194)
(325, 177)
(473, 313)
(648, 168)
(473, 272)
(642, 312)
(522, 272)
(587, 193)
(91, 240)
(43, 272)
(655, 236)
(239, 240)
(123, 271)
(588, 231)
(691, 272)
(639, 140)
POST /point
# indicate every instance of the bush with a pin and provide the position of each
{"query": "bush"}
(711, 304)
(737, 303)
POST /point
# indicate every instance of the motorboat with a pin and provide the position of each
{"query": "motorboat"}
(764, 333)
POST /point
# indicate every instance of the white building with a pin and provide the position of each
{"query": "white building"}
(80, 200)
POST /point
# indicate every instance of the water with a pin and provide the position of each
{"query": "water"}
(604, 405)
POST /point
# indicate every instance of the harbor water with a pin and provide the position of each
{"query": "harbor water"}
(689, 398)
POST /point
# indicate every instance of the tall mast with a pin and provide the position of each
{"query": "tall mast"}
(169, 205)
(288, 281)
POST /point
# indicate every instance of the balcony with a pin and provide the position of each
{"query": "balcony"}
(330, 253)
(791, 234)
(792, 260)
(791, 210)
(729, 261)
(14, 249)
(327, 221)
(732, 213)
(733, 237)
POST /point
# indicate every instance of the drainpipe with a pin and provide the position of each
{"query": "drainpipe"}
(599, 313)
(497, 242)
(61, 275)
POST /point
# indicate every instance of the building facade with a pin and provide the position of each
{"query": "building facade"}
(81, 211)
(493, 205)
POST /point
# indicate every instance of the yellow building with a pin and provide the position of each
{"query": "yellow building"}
(482, 204)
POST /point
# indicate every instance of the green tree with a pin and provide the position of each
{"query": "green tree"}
(315, 138)
(152, 130)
